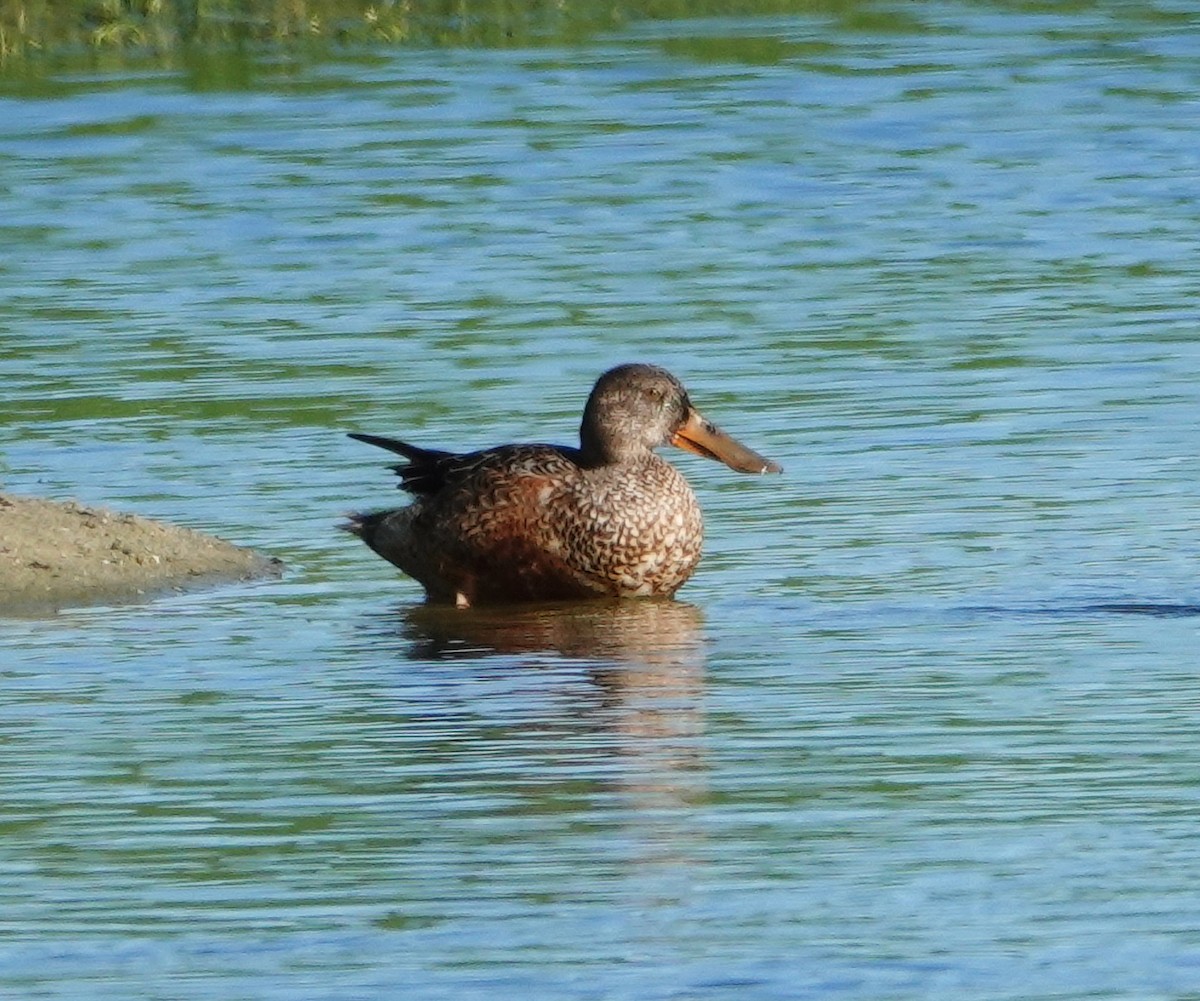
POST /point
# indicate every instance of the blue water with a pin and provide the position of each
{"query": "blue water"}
(922, 726)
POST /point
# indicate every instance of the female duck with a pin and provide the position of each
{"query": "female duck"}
(549, 522)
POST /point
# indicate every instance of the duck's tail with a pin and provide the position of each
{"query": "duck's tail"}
(426, 469)
(364, 524)
(412, 453)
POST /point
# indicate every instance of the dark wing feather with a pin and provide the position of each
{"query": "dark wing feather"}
(426, 469)
(429, 470)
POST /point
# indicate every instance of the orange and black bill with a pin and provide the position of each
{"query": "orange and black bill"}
(699, 436)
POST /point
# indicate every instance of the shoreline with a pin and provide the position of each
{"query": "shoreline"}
(67, 554)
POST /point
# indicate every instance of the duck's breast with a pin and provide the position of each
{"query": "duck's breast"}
(637, 529)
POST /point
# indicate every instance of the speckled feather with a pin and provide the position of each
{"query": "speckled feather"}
(544, 522)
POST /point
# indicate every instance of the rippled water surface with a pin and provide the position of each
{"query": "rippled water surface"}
(925, 723)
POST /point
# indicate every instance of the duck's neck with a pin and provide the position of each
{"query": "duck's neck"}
(600, 447)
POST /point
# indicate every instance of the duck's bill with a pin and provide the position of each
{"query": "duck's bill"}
(699, 436)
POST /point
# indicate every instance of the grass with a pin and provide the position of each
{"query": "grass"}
(30, 29)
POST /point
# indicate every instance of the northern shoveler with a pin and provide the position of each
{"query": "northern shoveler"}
(548, 522)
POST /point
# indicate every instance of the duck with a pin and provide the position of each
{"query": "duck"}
(534, 522)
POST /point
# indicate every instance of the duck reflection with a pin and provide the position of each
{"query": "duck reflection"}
(645, 658)
(641, 702)
(648, 631)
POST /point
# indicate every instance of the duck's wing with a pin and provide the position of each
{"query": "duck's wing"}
(429, 470)
(426, 469)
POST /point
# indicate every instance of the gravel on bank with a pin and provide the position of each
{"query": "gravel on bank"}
(56, 554)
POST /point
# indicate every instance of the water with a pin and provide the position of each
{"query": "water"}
(923, 726)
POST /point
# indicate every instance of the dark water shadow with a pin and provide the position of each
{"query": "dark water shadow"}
(1157, 610)
(1087, 609)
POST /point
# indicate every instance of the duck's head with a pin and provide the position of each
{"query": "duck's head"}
(636, 408)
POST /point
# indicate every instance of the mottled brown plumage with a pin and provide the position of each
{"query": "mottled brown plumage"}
(547, 522)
